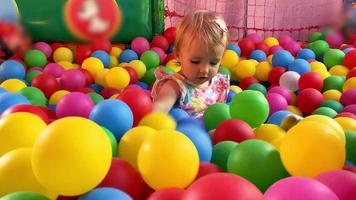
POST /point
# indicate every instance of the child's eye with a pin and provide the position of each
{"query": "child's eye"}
(195, 62)
(213, 63)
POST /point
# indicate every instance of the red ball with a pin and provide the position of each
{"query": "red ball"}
(81, 53)
(346, 114)
(85, 90)
(46, 83)
(132, 73)
(311, 80)
(109, 92)
(309, 99)
(88, 77)
(222, 186)
(139, 102)
(350, 59)
(169, 57)
(27, 108)
(233, 130)
(247, 46)
(124, 177)
(206, 168)
(351, 73)
(161, 42)
(56, 45)
(167, 194)
(170, 34)
(275, 74)
(246, 82)
(50, 113)
(262, 46)
(102, 44)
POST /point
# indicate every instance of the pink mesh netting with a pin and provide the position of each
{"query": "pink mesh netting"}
(266, 17)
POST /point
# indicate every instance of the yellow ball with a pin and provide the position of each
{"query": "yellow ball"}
(13, 85)
(295, 110)
(235, 88)
(255, 62)
(323, 74)
(270, 133)
(311, 148)
(229, 59)
(115, 51)
(66, 65)
(139, 67)
(332, 95)
(168, 159)
(93, 65)
(114, 96)
(117, 78)
(113, 61)
(100, 77)
(347, 124)
(349, 84)
(63, 54)
(158, 121)
(262, 71)
(339, 70)
(316, 66)
(269, 59)
(16, 174)
(174, 65)
(55, 97)
(131, 142)
(19, 129)
(271, 41)
(244, 69)
(123, 64)
(72, 156)
(75, 66)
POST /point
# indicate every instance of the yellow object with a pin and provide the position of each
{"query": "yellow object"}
(306, 150)
(174, 65)
(55, 97)
(75, 66)
(93, 65)
(168, 159)
(349, 84)
(262, 71)
(322, 73)
(317, 66)
(270, 133)
(158, 121)
(235, 88)
(118, 78)
(63, 54)
(271, 41)
(72, 156)
(131, 142)
(113, 61)
(66, 65)
(13, 85)
(229, 59)
(124, 64)
(269, 59)
(114, 96)
(244, 69)
(139, 67)
(295, 110)
(20, 129)
(332, 95)
(100, 77)
(16, 174)
(115, 51)
(347, 124)
(339, 70)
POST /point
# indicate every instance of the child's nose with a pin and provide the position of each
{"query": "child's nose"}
(204, 69)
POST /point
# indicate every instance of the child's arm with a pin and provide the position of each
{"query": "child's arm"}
(167, 96)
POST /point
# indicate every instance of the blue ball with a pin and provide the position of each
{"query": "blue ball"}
(105, 193)
(170, 49)
(200, 139)
(103, 56)
(114, 115)
(9, 11)
(230, 95)
(282, 58)
(2, 90)
(192, 121)
(12, 69)
(127, 56)
(178, 114)
(277, 117)
(300, 66)
(143, 85)
(306, 54)
(258, 55)
(8, 100)
(97, 88)
(235, 48)
(347, 50)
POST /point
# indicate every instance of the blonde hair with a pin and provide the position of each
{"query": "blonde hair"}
(202, 24)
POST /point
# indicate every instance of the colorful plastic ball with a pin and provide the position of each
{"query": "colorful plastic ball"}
(262, 71)
(233, 130)
(347, 124)
(325, 111)
(127, 56)
(93, 65)
(102, 56)
(275, 74)
(296, 188)
(319, 47)
(247, 46)
(258, 55)
(289, 80)
(277, 117)
(44, 47)
(67, 65)
(118, 78)
(80, 167)
(26, 108)
(221, 152)
(35, 58)
(55, 97)
(31, 75)
(178, 114)
(170, 34)
(314, 36)
(333, 82)
(105, 193)
(109, 92)
(167, 194)
(115, 51)
(293, 47)
(282, 58)
(244, 69)
(349, 84)
(72, 79)
(46, 83)
(335, 105)
(62, 54)
(262, 46)
(149, 76)
(139, 67)
(276, 102)
(88, 77)
(12, 69)
(254, 37)
(56, 45)
(24, 195)
(258, 87)
(54, 69)
(271, 41)
(161, 42)
(161, 54)
(284, 39)
(339, 70)
(352, 73)
(348, 97)
(8, 100)
(158, 121)
(13, 85)
(132, 74)
(350, 146)
(162, 170)
(206, 168)
(309, 99)
(82, 52)
(350, 59)
(101, 76)
(234, 47)
(140, 45)
(34, 95)
(306, 54)
(102, 44)
(74, 104)
(333, 57)
(150, 58)
(274, 49)
(270, 133)
(334, 40)
(300, 66)
(229, 59)
(215, 114)
(226, 186)
(282, 91)
(310, 80)
(347, 50)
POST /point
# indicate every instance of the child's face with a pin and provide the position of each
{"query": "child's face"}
(199, 62)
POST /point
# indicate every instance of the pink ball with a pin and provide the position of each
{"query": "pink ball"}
(350, 108)
(167, 194)
(348, 97)
(346, 114)
(140, 45)
(44, 47)
(293, 47)
(72, 79)
(274, 49)
(297, 188)
(341, 182)
(74, 104)
(284, 39)
(276, 102)
(206, 168)
(334, 40)
(282, 91)
(54, 69)
(254, 37)
(233, 130)
(162, 56)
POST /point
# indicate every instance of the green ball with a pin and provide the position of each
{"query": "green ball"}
(351, 146)
(23, 196)
(258, 87)
(250, 106)
(224, 70)
(215, 114)
(319, 47)
(333, 82)
(221, 152)
(95, 97)
(31, 75)
(257, 161)
(34, 95)
(325, 32)
(168, 70)
(314, 36)
(334, 57)
(149, 76)
(113, 141)
(335, 105)
(326, 111)
(150, 58)
(35, 58)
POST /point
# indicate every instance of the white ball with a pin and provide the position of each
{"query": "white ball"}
(289, 80)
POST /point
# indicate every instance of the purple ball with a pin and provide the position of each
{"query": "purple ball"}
(255, 38)
(54, 69)
(284, 39)
(348, 97)
(297, 188)
(72, 79)
(140, 45)
(276, 102)
(162, 56)
(282, 91)
(334, 40)
(350, 108)
(293, 47)
(74, 104)
(44, 47)
(274, 49)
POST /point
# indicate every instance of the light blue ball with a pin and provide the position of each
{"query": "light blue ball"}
(8, 100)
(258, 55)
(105, 193)
(277, 117)
(191, 121)
(12, 69)
(114, 115)
(178, 114)
(9, 11)
(306, 54)
(235, 48)
(300, 66)
(282, 58)
(127, 56)
(103, 56)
